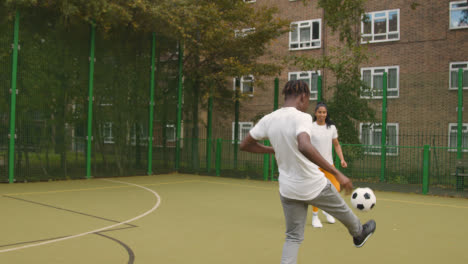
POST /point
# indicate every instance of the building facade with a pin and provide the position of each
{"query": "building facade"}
(419, 44)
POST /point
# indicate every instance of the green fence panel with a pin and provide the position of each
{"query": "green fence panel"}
(52, 102)
(6, 40)
(52, 84)
(165, 109)
(249, 165)
(121, 100)
(403, 164)
(442, 172)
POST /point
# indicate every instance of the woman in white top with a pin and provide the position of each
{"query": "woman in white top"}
(323, 135)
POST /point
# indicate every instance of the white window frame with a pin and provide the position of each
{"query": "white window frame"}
(174, 136)
(243, 32)
(377, 145)
(386, 69)
(171, 136)
(381, 14)
(243, 80)
(464, 133)
(250, 1)
(450, 75)
(108, 139)
(143, 135)
(452, 8)
(242, 125)
(308, 75)
(309, 44)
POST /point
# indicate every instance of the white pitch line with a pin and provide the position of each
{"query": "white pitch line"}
(97, 230)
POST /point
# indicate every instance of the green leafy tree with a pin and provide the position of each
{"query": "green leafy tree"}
(214, 53)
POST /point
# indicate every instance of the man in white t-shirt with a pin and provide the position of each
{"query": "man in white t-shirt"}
(301, 183)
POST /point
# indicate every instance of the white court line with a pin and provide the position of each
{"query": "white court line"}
(97, 230)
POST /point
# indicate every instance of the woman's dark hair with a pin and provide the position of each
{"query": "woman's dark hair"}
(295, 88)
(328, 121)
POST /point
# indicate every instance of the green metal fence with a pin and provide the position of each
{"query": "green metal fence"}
(83, 99)
(92, 103)
(6, 41)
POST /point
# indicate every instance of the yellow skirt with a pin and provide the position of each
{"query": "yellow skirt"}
(333, 180)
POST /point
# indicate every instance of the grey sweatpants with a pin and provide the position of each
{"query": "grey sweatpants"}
(295, 214)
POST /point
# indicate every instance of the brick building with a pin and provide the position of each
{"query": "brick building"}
(420, 44)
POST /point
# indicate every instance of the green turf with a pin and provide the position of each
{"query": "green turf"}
(203, 219)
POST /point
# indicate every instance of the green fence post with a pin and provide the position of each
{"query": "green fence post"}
(319, 88)
(275, 100)
(179, 106)
(425, 181)
(236, 127)
(14, 74)
(460, 181)
(219, 151)
(151, 106)
(266, 162)
(209, 132)
(195, 164)
(90, 102)
(337, 160)
(460, 114)
(275, 107)
(384, 130)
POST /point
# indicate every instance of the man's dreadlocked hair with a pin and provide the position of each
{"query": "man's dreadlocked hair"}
(295, 88)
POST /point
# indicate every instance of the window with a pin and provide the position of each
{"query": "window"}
(244, 128)
(142, 133)
(244, 32)
(381, 26)
(459, 14)
(311, 78)
(305, 35)
(79, 138)
(245, 84)
(373, 79)
(453, 136)
(371, 137)
(164, 134)
(107, 134)
(170, 133)
(454, 67)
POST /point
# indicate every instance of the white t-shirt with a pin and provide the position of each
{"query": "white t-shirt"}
(299, 178)
(321, 138)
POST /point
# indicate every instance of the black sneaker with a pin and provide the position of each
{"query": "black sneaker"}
(367, 230)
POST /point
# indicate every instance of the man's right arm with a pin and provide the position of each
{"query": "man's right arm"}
(311, 153)
(249, 144)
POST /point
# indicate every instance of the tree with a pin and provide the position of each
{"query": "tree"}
(223, 40)
(344, 17)
(214, 53)
(207, 29)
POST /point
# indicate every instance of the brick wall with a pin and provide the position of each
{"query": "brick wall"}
(423, 53)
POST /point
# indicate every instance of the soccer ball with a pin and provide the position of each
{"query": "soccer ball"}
(363, 199)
